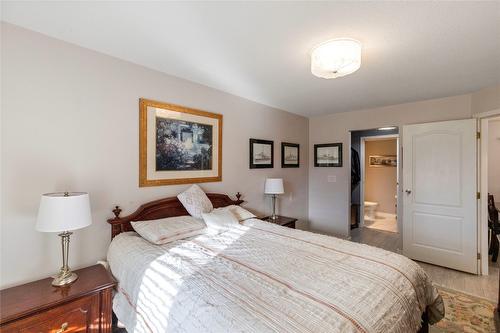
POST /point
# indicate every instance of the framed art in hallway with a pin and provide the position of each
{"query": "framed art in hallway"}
(290, 155)
(383, 161)
(261, 154)
(328, 155)
(178, 145)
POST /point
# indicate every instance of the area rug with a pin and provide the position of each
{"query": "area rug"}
(465, 313)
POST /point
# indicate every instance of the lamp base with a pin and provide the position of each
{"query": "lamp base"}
(64, 278)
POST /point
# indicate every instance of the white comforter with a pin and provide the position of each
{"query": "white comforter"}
(260, 277)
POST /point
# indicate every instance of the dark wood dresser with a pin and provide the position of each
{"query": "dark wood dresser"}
(83, 306)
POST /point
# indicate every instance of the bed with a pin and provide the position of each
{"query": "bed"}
(261, 277)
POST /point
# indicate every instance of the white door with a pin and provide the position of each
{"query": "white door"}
(439, 194)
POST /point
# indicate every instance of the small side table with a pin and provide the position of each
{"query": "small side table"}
(83, 306)
(284, 221)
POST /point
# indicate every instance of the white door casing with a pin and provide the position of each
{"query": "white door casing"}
(439, 194)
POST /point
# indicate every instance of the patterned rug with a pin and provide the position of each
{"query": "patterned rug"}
(465, 313)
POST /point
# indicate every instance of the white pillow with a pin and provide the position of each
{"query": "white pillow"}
(169, 229)
(195, 201)
(220, 218)
(240, 213)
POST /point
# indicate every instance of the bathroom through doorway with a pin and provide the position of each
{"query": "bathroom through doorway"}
(374, 179)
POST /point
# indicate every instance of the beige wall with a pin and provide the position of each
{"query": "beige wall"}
(70, 122)
(328, 202)
(486, 99)
(494, 158)
(381, 182)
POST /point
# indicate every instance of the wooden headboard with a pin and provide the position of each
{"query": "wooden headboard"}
(162, 208)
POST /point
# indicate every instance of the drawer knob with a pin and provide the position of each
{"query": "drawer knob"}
(63, 328)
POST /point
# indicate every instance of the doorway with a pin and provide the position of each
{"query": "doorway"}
(489, 184)
(379, 182)
(374, 179)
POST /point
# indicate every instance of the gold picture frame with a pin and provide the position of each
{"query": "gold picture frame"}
(178, 145)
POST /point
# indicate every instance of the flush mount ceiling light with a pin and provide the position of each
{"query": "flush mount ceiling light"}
(388, 128)
(336, 58)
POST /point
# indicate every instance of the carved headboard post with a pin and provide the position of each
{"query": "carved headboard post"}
(162, 208)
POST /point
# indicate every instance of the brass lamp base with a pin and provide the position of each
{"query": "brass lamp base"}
(64, 278)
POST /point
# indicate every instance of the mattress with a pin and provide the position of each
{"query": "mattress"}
(261, 277)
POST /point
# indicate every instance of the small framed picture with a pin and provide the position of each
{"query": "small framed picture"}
(261, 154)
(328, 155)
(290, 155)
(378, 161)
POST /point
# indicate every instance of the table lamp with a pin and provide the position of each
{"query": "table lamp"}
(274, 186)
(63, 212)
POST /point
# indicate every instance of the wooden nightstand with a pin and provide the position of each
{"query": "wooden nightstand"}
(281, 220)
(83, 306)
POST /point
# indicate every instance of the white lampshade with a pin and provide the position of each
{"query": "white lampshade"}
(274, 186)
(63, 212)
(336, 58)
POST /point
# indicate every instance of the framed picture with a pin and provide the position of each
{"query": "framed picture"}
(290, 155)
(378, 161)
(261, 154)
(328, 155)
(178, 145)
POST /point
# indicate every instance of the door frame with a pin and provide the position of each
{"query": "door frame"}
(483, 119)
(363, 139)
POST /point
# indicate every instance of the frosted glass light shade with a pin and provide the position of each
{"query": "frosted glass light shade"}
(336, 58)
(274, 186)
(63, 212)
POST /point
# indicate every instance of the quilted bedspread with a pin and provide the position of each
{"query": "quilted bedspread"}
(261, 277)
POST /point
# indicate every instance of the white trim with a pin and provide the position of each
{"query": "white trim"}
(349, 190)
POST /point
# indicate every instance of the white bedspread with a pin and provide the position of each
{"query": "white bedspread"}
(260, 277)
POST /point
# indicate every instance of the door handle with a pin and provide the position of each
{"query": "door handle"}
(408, 191)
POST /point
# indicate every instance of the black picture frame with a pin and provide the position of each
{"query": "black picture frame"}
(328, 164)
(253, 143)
(293, 145)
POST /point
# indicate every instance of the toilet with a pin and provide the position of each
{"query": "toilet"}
(370, 210)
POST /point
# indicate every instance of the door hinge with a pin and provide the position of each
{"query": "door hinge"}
(478, 135)
(479, 256)
(478, 195)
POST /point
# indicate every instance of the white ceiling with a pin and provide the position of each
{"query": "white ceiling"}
(260, 50)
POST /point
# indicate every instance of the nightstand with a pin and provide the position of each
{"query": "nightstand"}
(83, 306)
(281, 220)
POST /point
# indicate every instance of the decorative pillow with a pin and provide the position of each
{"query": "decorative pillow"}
(220, 218)
(240, 213)
(169, 229)
(195, 201)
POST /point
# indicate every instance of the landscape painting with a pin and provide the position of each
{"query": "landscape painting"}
(383, 161)
(290, 155)
(328, 155)
(178, 145)
(182, 145)
(261, 154)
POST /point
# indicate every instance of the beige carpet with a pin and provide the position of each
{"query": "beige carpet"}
(465, 313)
(383, 221)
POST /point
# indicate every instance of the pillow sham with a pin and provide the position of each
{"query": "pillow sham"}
(169, 229)
(240, 213)
(220, 218)
(195, 201)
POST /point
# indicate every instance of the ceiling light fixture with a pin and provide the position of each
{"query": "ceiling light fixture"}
(336, 58)
(388, 128)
